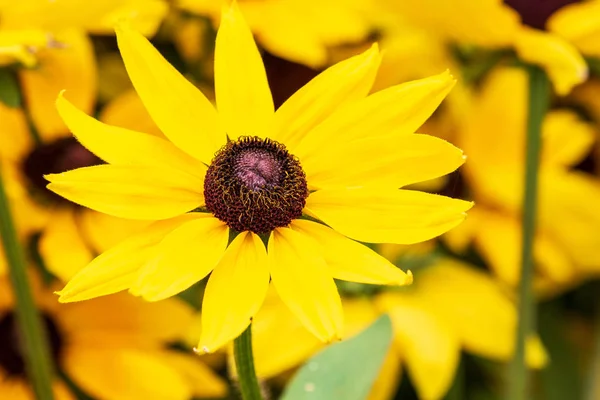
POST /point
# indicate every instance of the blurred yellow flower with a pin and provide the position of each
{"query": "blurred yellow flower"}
(246, 169)
(108, 354)
(565, 247)
(450, 307)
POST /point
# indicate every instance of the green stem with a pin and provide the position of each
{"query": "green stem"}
(539, 94)
(244, 362)
(34, 342)
(592, 387)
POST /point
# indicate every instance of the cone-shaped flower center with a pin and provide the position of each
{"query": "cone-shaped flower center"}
(53, 158)
(255, 184)
(535, 13)
(11, 355)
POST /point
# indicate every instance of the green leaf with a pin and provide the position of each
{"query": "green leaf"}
(9, 88)
(345, 370)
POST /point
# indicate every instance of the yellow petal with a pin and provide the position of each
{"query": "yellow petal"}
(430, 348)
(342, 83)
(580, 25)
(114, 145)
(243, 95)
(130, 192)
(72, 67)
(127, 111)
(400, 109)
(203, 381)
(104, 231)
(389, 377)
(234, 292)
(301, 278)
(567, 138)
(393, 161)
(14, 135)
(381, 215)
(184, 257)
(179, 109)
(62, 246)
(562, 62)
(117, 268)
(349, 260)
(124, 373)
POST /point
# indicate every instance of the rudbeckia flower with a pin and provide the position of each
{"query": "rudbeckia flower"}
(450, 308)
(566, 249)
(68, 236)
(123, 355)
(309, 180)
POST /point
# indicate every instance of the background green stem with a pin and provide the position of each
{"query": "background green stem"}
(34, 341)
(244, 363)
(539, 95)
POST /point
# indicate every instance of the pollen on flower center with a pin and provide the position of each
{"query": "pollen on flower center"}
(255, 184)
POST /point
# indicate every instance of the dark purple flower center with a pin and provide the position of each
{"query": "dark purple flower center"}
(255, 184)
(11, 344)
(535, 13)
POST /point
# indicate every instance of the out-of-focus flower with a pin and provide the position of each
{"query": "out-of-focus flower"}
(108, 354)
(567, 243)
(50, 41)
(297, 30)
(246, 169)
(450, 307)
(70, 236)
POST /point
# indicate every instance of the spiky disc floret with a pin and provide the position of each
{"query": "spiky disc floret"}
(255, 184)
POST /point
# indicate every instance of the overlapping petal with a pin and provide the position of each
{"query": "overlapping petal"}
(384, 215)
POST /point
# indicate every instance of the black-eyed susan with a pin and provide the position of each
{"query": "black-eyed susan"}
(322, 170)
(108, 354)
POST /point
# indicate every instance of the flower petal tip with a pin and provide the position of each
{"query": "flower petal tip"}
(201, 350)
(408, 280)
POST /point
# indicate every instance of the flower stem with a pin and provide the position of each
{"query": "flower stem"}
(34, 341)
(539, 94)
(244, 362)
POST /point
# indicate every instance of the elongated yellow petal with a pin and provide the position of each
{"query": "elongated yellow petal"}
(179, 109)
(567, 138)
(243, 95)
(301, 278)
(342, 83)
(235, 291)
(71, 67)
(125, 147)
(130, 192)
(579, 24)
(103, 231)
(116, 269)
(184, 257)
(63, 233)
(384, 215)
(392, 161)
(14, 135)
(561, 60)
(349, 260)
(399, 109)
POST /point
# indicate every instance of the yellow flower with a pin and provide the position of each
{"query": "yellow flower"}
(297, 30)
(69, 236)
(451, 307)
(567, 242)
(50, 40)
(108, 354)
(330, 153)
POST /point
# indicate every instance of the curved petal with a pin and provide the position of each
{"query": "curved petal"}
(72, 67)
(399, 109)
(184, 257)
(203, 381)
(578, 23)
(567, 138)
(243, 95)
(104, 231)
(393, 161)
(114, 145)
(305, 285)
(179, 109)
(342, 83)
(127, 111)
(383, 215)
(117, 268)
(130, 192)
(235, 291)
(561, 60)
(62, 246)
(124, 373)
(14, 135)
(349, 260)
